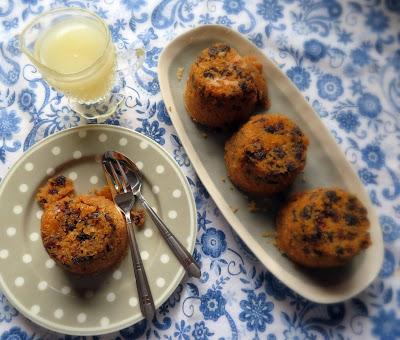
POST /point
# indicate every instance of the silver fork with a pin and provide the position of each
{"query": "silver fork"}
(124, 200)
(135, 180)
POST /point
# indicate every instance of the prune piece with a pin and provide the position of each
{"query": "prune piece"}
(315, 237)
(66, 206)
(83, 237)
(339, 251)
(258, 154)
(110, 221)
(95, 214)
(60, 181)
(274, 128)
(42, 202)
(53, 191)
(332, 196)
(364, 244)
(298, 150)
(240, 74)
(351, 204)
(306, 212)
(243, 85)
(280, 153)
(108, 218)
(223, 48)
(291, 167)
(50, 244)
(212, 51)
(350, 219)
(225, 72)
(70, 226)
(82, 259)
(318, 234)
(329, 212)
(296, 131)
(208, 74)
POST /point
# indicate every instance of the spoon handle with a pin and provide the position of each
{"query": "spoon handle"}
(145, 297)
(184, 257)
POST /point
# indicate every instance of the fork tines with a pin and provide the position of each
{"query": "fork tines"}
(118, 175)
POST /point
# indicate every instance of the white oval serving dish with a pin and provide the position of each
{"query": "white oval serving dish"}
(326, 166)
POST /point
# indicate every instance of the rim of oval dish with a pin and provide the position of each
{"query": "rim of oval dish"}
(170, 51)
(99, 330)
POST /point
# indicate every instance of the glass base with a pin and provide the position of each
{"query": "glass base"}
(128, 62)
(100, 111)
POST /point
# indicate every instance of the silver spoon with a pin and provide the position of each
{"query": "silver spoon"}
(135, 180)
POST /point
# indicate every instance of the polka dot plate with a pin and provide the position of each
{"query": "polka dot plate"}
(66, 303)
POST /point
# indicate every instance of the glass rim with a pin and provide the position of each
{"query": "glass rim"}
(50, 70)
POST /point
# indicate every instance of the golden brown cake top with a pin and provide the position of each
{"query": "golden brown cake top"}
(323, 227)
(220, 70)
(77, 230)
(276, 145)
(328, 214)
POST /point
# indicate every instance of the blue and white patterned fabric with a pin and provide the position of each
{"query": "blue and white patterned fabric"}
(345, 58)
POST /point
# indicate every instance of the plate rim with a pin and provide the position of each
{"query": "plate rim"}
(100, 330)
(295, 95)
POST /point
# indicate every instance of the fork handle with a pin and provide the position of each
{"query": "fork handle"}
(145, 297)
(184, 257)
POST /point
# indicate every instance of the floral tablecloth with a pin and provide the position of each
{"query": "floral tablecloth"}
(343, 55)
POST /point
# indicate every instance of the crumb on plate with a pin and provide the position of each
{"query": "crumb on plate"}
(138, 217)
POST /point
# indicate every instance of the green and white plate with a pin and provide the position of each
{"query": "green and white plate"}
(66, 303)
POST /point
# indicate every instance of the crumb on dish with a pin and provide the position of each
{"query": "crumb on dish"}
(268, 234)
(179, 73)
(252, 206)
